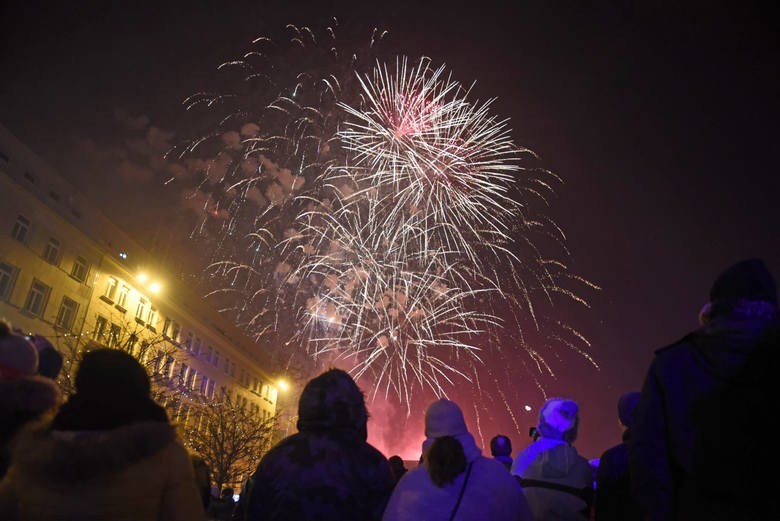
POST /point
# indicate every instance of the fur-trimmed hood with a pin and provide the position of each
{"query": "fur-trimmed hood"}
(68, 456)
(32, 394)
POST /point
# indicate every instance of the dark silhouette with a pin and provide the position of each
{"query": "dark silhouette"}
(501, 450)
(221, 508)
(614, 501)
(327, 471)
(397, 466)
(700, 446)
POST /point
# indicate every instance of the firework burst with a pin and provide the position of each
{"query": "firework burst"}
(373, 213)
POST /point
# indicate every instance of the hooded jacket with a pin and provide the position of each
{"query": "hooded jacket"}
(22, 400)
(136, 472)
(698, 448)
(327, 471)
(557, 462)
(488, 491)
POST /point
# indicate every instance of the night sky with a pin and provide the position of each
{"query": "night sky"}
(661, 119)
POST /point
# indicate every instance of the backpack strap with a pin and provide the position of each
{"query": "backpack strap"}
(585, 494)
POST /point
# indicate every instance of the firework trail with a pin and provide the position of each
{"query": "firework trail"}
(368, 210)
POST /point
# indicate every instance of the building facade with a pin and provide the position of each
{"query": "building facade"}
(68, 273)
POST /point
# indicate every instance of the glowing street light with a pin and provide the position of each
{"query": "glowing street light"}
(283, 385)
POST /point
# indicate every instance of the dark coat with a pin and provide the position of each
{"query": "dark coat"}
(614, 501)
(22, 400)
(702, 426)
(327, 471)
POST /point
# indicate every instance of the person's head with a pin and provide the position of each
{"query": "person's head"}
(396, 463)
(112, 389)
(444, 458)
(18, 357)
(332, 401)
(227, 492)
(627, 407)
(49, 359)
(559, 419)
(744, 289)
(501, 446)
(114, 373)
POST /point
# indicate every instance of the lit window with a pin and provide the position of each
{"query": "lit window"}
(140, 311)
(204, 384)
(169, 367)
(183, 371)
(101, 324)
(111, 289)
(80, 269)
(36, 298)
(7, 279)
(272, 397)
(191, 379)
(52, 252)
(121, 301)
(175, 331)
(210, 392)
(21, 229)
(132, 341)
(66, 316)
(113, 335)
(167, 327)
(152, 318)
(188, 342)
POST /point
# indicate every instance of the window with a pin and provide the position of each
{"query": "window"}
(36, 298)
(151, 320)
(175, 331)
(101, 324)
(169, 366)
(80, 269)
(227, 365)
(191, 379)
(272, 397)
(114, 334)
(216, 358)
(7, 279)
(196, 347)
(232, 369)
(183, 371)
(188, 342)
(132, 341)
(110, 292)
(121, 301)
(66, 316)
(52, 252)
(210, 391)
(209, 353)
(204, 384)
(21, 229)
(140, 311)
(167, 327)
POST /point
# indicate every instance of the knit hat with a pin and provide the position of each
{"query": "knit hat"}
(627, 406)
(558, 419)
(444, 418)
(500, 446)
(747, 279)
(18, 357)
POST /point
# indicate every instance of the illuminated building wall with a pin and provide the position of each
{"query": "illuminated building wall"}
(66, 270)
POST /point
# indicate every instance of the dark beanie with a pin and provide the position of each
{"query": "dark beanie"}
(748, 279)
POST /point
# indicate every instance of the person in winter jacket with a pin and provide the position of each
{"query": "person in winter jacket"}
(455, 480)
(108, 454)
(614, 501)
(327, 471)
(24, 395)
(557, 481)
(700, 445)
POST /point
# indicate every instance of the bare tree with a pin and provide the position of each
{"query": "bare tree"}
(149, 348)
(230, 437)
